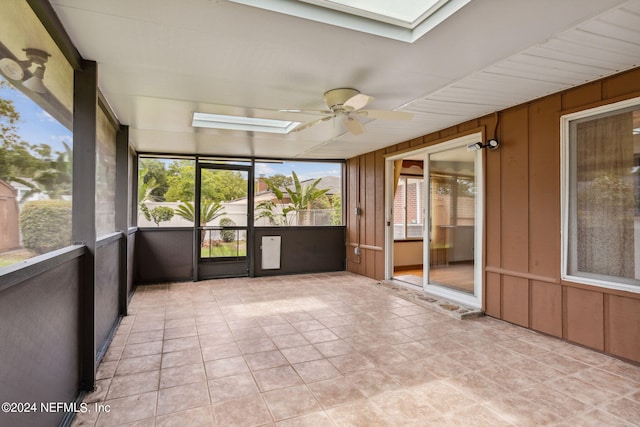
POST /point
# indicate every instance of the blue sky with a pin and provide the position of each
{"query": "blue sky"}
(304, 170)
(36, 126)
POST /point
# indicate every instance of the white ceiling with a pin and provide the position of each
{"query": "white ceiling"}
(160, 60)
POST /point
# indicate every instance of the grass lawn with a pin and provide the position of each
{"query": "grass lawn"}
(12, 257)
(224, 249)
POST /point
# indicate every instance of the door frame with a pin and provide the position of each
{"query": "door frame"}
(476, 299)
(250, 264)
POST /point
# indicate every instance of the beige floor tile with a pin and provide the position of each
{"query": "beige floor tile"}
(275, 378)
(271, 350)
(291, 402)
(290, 340)
(625, 409)
(334, 392)
(255, 345)
(403, 407)
(138, 364)
(351, 362)
(181, 357)
(142, 349)
(180, 375)
(232, 387)
(180, 332)
(595, 418)
(179, 398)
(128, 409)
(106, 370)
(301, 354)
(145, 336)
(319, 335)
(316, 370)
(315, 419)
(178, 344)
(372, 382)
(196, 417)
(243, 412)
(220, 351)
(265, 360)
(279, 329)
(225, 367)
(127, 385)
(334, 348)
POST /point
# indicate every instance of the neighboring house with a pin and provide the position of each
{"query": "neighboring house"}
(318, 216)
(24, 189)
(9, 235)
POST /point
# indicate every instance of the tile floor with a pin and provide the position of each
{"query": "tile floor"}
(338, 350)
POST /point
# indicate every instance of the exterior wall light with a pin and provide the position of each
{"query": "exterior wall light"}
(15, 70)
(491, 144)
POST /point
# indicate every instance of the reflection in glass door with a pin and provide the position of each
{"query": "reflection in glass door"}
(452, 218)
(222, 240)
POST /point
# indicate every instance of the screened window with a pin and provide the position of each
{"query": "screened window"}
(298, 193)
(166, 188)
(602, 171)
(408, 208)
(36, 141)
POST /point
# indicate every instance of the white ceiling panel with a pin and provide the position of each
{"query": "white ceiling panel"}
(160, 60)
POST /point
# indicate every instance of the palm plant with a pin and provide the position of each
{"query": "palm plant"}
(209, 210)
(301, 199)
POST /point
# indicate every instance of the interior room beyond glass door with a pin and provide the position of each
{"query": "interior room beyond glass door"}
(452, 219)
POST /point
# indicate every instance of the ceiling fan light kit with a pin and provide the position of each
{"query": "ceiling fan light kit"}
(345, 103)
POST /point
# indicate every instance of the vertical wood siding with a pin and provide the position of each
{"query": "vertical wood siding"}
(522, 222)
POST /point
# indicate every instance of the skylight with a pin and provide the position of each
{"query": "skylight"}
(254, 124)
(405, 20)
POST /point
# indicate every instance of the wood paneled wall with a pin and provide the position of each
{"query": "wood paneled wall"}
(522, 245)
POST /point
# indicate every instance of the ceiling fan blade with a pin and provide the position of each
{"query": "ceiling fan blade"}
(353, 125)
(358, 101)
(315, 112)
(386, 114)
(312, 123)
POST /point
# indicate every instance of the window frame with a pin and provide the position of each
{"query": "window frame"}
(567, 163)
(405, 224)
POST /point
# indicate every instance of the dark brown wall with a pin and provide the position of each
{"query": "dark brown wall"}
(522, 209)
(303, 249)
(39, 343)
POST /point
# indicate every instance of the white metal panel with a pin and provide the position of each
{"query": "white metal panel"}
(271, 250)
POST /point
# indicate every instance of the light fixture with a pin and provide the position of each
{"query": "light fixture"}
(12, 69)
(38, 57)
(15, 70)
(491, 144)
(254, 124)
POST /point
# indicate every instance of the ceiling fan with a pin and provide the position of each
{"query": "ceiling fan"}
(346, 104)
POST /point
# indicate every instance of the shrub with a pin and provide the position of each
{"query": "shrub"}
(46, 225)
(228, 235)
(161, 214)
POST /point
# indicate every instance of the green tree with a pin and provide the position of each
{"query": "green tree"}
(279, 180)
(54, 180)
(17, 158)
(161, 214)
(217, 184)
(336, 212)
(152, 174)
